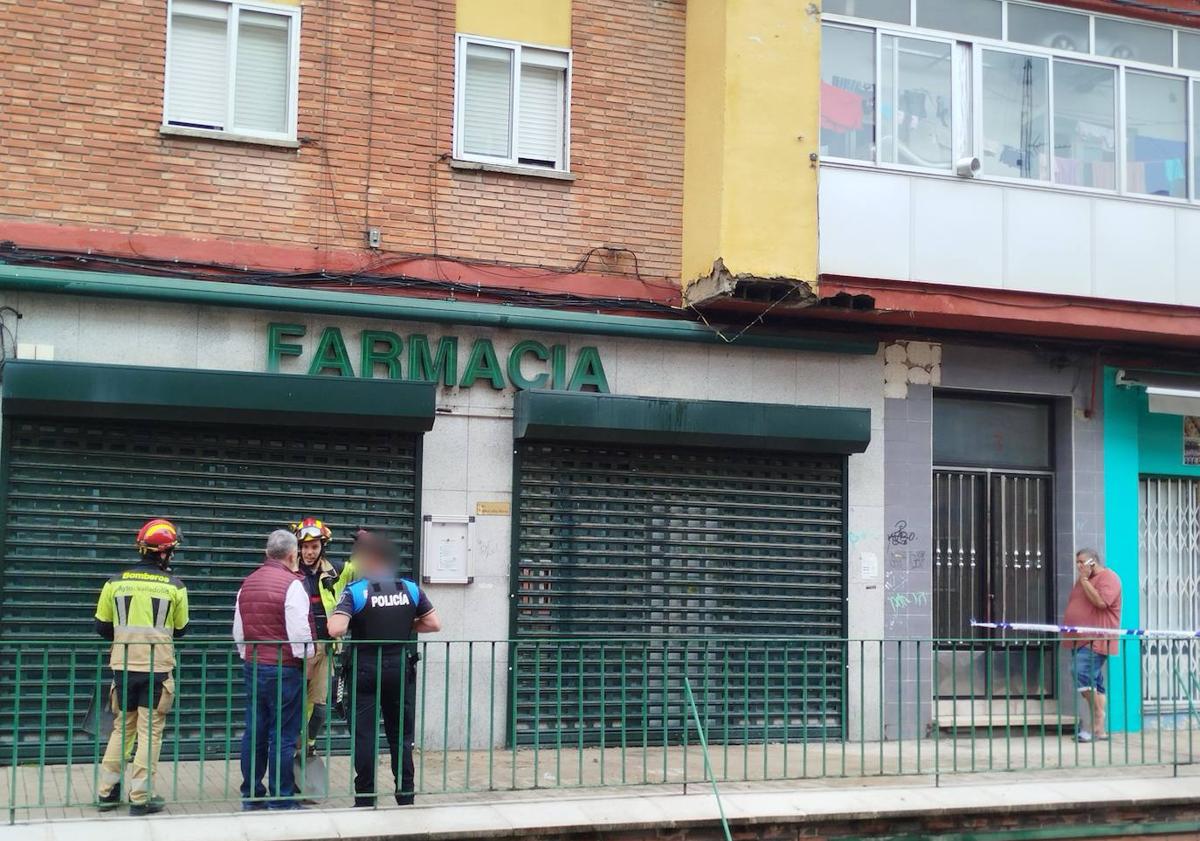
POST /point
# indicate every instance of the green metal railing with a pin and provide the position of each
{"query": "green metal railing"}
(511, 715)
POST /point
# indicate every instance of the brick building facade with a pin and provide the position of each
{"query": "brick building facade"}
(83, 147)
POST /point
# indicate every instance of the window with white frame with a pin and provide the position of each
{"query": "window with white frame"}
(231, 68)
(511, 104)
(1038, 93)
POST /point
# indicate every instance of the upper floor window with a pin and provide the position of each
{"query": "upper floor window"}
(1036, 93)
(511, 104)
(231, 68)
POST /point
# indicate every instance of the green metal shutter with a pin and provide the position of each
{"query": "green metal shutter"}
(78, 490)
(692, 556)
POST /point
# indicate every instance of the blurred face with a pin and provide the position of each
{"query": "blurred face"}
(372, 562)
(310, 552)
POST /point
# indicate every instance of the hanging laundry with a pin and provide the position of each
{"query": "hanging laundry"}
(1161, 164)
(1157, 149)
(1011, 156)
(1137, 178)
(1104, 175)
(841, 110)
(1066, 171)
(1176, 171)
(916, 103)
(1150, 177)
(1102, 136)
(849, 83)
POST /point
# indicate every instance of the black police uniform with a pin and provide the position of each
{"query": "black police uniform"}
(385, 677)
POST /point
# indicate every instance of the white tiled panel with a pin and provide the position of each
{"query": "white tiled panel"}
(895, 226)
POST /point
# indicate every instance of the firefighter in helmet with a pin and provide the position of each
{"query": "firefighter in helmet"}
(142, 610)
(324, 583)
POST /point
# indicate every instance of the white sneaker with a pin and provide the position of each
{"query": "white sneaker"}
(1083, 736)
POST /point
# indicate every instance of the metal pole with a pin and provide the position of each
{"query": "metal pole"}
(687, 686)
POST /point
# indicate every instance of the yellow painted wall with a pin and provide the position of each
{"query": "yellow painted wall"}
(704, 137)
(546, 22)
(764, 190)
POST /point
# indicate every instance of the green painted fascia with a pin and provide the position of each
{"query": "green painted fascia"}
(573, 416)
(364, 305)
(171, 394)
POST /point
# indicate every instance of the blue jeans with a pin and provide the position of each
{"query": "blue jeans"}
(274, 703)
(1087, 669)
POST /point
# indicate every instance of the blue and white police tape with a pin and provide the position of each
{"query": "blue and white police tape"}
(1084, 631)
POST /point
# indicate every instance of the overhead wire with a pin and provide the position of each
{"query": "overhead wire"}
(326, 279)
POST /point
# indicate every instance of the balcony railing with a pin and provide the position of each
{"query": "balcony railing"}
(520, 715)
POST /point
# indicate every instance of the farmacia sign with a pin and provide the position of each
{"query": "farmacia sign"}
(382, 353)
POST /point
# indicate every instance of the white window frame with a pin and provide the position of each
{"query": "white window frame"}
(956, 108)
(231, 132)
(462, 41)
(975, 131)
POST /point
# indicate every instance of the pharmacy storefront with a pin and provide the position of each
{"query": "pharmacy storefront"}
(549, 477)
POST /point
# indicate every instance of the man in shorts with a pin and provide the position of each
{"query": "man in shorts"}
(1095, 602)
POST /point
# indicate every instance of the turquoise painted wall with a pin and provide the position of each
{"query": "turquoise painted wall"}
(1136, 443)
(1122, 412)
(1160, 442)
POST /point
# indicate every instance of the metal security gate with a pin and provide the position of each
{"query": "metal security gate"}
(684, 554)
(76, 492)
(991, 562)
(1169, 576)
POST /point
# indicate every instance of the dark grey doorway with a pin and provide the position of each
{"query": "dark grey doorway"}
(993, 487)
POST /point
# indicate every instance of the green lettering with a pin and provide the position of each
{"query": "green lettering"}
(518, 379)
(380, 347)
(558, 366)
(331, 354)
(277, 348)
(483, 364)
(424, 367)
(589, 372)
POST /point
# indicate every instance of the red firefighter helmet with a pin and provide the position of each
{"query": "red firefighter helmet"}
(310, 528)
(157, 535)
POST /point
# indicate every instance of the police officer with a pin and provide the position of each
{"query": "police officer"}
(382, 611)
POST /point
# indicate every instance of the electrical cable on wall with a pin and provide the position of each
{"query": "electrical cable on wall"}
(362, 280)
(185, 268)
(5, 354)
(755, 321)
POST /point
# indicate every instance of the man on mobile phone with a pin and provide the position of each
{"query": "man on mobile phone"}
(1095, 602)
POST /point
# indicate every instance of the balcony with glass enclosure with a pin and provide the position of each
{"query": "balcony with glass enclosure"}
(1007, 144)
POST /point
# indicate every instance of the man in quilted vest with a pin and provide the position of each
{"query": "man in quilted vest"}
(273, 629)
